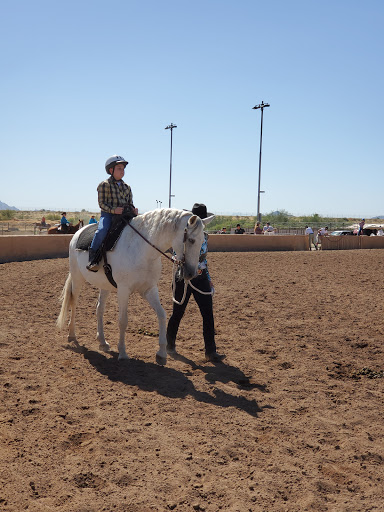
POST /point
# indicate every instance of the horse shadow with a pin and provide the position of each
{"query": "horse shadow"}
(172, 383)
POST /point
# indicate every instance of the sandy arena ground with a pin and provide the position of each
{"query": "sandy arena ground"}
(292, 420)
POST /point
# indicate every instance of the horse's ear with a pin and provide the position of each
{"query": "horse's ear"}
(208, 220)
(192, 220)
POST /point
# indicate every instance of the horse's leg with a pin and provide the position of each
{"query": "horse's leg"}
(103, 295)
(123, 297)
(152, 297)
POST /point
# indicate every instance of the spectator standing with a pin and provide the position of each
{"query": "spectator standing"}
(311, 237)
(322, 232)
(361, 226)
(223, 231)
(239, 230)
(92, 220)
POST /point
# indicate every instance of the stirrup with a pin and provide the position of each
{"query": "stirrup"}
(92, 266)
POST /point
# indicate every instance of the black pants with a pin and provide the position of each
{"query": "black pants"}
(205, 305)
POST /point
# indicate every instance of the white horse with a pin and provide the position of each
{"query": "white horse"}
(136, 267)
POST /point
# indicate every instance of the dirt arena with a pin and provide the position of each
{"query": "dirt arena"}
(292, 420)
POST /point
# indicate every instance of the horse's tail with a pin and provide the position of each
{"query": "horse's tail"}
(66, 302)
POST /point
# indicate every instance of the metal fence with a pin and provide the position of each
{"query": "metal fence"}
(8, 228)
(287, 228)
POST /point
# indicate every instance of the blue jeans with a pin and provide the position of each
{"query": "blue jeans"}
(102, 230)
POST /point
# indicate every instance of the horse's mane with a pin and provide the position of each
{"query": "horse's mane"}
(151, 220)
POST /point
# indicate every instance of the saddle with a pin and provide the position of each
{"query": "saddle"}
(118, 224)
(60, 229)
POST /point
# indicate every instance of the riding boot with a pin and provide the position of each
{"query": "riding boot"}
(93, 263)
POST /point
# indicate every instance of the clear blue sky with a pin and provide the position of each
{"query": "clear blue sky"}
(82, 80)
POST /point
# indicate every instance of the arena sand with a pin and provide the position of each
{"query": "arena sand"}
(290, 421)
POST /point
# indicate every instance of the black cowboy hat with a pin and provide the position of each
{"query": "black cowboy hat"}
(200, 210)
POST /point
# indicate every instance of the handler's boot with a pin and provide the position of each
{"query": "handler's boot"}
(214, 357)
(93, 263)
(171, 345)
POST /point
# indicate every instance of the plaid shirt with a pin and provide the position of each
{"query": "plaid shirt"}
(111, 195)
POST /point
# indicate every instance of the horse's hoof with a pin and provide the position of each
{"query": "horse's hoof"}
(72, 338)
(123, 357)
(105, 348)
(162, 361)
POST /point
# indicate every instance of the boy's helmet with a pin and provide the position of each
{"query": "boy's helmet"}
(112, 161)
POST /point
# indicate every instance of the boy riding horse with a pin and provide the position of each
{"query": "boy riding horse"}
(113, 194)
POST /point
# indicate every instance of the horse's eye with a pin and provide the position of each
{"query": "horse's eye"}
(191, 240)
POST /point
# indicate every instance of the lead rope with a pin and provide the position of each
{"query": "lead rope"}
(174, 289)
(185, 286)
(200, 291)
(185, 290)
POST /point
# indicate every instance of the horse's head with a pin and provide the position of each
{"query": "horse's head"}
(187, 245)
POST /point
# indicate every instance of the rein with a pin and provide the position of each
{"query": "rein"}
(174, 260)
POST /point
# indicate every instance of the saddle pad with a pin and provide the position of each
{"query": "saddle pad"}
(86, 237)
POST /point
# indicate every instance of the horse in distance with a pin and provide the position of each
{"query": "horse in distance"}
(54, 230)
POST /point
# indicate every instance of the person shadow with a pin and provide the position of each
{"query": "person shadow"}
(172, 383)
(222, 372)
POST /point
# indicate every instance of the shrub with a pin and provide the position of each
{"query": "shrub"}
(7, 214)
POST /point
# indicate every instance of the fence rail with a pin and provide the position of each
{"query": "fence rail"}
(26, 228)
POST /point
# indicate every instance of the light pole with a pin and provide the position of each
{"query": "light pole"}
(170, 127)
(261, 107)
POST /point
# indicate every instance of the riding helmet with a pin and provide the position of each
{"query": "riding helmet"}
(113, 160)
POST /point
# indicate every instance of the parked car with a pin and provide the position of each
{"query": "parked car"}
(342, 232)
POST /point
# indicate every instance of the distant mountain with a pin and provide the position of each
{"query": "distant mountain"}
(4, 206)
(379, 217)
